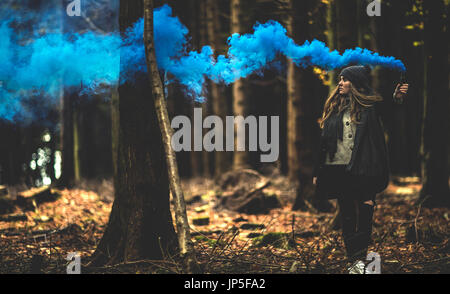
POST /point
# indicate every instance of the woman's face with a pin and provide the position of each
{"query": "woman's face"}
(344, 86)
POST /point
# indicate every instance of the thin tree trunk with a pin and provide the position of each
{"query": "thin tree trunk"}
(435, 187)
(206, 105)
(66, 141)
(69, 96)
(241, 105)
(331, 39)
(76, 148)
(346, 37)
(140, 225)
(219, 103)
(196, 156)
(183, 230)
(302, 127)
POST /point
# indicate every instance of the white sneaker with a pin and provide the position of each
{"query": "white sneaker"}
(357, 268)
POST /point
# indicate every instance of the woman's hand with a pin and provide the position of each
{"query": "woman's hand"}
(401, 91)
(314, 180)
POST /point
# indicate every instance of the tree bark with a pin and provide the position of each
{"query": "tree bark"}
(433, 151)
(331, 39)
(218, 100)
(67, 119)
(66, 141)
(302, 127)
(346, 37)
(241, 159)
(140, 225)
(76, 147)
(207, 157)
(184, 237)
(197, 159)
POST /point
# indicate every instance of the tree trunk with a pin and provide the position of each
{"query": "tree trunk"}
(435, 187)
(241, 105)
(183, 230)
(346, 37)
(194, 18)
(115, 124)
(67, 119)
(302, 127)
(331, 39)
(206, 105)
(140, 225)
(218, 100)
(66, 141)
(76, 146)
(399, 146)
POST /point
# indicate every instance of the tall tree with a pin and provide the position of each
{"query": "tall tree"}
(433, 151)
(207, 157)
(397, 113)
(183, 230)
(346, 36)
(140, 225)
(302, 126)
(241, 105)
(67, 142)
(331, 38)
(218, 99)
(195, 26)
(69, 130)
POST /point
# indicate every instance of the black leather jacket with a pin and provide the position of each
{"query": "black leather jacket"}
(369, 156)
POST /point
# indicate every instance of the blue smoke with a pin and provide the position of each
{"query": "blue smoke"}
(91, 60)
(251, 53)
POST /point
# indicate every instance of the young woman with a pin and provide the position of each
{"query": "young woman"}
(353, 163)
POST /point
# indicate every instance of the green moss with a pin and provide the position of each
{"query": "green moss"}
(211, 242)
(276, 239)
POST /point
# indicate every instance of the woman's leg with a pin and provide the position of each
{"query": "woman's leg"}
(348, 219)
(365, 220)
(356, 228)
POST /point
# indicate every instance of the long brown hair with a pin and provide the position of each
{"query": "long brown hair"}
(358, 100)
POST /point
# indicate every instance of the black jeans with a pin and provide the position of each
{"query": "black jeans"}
(356, 217)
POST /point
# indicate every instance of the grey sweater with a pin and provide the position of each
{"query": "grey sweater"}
(344, 149)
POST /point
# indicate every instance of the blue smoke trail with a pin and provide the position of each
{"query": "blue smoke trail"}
(247, 54)
(92, 59)
(250, 53)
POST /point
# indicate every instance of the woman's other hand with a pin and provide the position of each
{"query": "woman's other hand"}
(401, 91)
(314, 180)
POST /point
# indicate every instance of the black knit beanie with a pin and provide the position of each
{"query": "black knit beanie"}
(359, 76)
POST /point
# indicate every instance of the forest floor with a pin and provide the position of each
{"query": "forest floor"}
(408, 238)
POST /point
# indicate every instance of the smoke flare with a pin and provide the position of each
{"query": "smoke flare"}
(93, 59)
